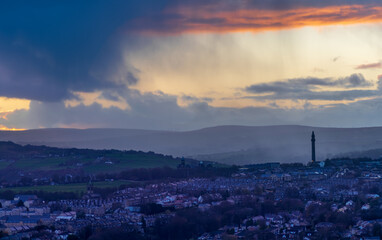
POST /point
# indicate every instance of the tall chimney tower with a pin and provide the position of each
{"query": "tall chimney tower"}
(313, 147)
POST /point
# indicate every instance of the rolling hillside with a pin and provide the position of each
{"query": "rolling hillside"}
(17, 161)
(227, 144)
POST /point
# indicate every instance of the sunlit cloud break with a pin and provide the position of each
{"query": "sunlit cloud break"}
(183, 19)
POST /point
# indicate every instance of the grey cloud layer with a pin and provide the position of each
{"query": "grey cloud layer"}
(162, 112)
(310, 89)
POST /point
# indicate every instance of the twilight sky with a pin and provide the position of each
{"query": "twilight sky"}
(187, 64)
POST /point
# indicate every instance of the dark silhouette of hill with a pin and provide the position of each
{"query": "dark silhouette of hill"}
(17, 161)
(228, 144)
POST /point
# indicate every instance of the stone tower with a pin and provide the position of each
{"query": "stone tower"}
(313, 147)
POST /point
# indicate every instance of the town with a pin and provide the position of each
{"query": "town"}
(333, 199)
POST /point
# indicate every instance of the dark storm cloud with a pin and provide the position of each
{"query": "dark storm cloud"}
(50, 48)
(311, 89)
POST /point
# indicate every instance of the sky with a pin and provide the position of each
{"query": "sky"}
(189, 64)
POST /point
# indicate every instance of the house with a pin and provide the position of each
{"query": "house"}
(372, 196)
(3, 228)
(28, 200)
(68, 216)
(324, 226)
(25, 198)
(286, 177)
(204, 207)
(275, 177)
(19, 221)
(135, 209)
(365, 207)
(6, 203)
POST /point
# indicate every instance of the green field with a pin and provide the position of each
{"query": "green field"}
(129, 164)
(89, 165)
(38, 164)
(4, 164)
(74, 187)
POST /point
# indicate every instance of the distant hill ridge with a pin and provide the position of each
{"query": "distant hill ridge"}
(228, 144)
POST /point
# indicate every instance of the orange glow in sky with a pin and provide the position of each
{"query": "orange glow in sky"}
(255, 20)
(4, 128)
